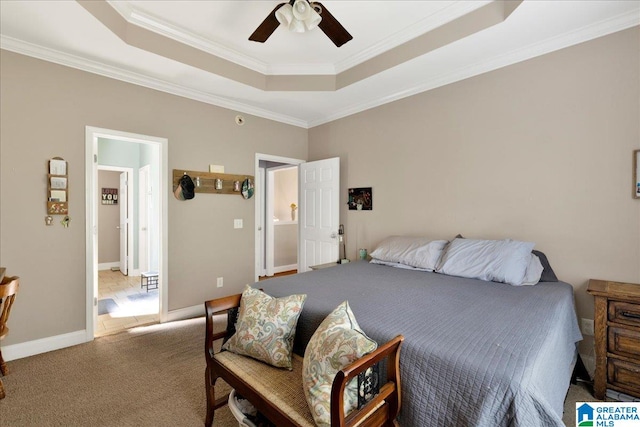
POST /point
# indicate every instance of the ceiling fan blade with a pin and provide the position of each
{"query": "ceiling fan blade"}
(332, 28)
(268, 26)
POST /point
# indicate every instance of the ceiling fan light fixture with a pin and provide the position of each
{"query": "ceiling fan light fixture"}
(284, 15)
(298, 18)
(301, 10)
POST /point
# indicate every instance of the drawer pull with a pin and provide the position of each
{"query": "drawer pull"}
(631, 315)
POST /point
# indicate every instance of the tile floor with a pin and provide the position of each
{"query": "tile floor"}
(131, 312)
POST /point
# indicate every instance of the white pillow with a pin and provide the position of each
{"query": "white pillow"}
(397, 265)
(534, 271)
(419, 252)
(492, 260)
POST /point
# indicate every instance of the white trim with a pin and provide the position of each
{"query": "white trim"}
(428, 23)
(283, 268)
(43, 345)
(184, 36)
(186, 313)
(95, 67)
(589, 32)
(57, 342)
(269, 232)
(108, 265)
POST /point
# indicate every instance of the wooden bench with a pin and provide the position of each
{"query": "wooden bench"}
(277, 393)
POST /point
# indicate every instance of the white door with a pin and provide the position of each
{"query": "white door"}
(124, 221)
(319, 212)
(144, 200)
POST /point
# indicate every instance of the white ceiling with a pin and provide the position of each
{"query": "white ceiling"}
(65, 32)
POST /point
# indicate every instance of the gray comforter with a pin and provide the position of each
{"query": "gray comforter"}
(475, 353)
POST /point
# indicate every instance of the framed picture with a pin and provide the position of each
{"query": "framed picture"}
(360, 199)
(636, 174)
(109, 196)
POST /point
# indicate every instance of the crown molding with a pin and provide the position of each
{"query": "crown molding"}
(421, 27)
(157, 25)
(94, 67)
(618, 23)
(179, 34)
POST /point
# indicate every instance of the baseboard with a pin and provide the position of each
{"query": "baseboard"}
(185, 313)
(283, 268)
(43, 345)
(108, 265)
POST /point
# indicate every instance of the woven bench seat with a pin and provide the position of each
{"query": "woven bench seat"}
(278, 394)
(280, 386)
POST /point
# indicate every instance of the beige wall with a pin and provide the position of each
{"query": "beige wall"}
(538, 151)
(108, 220)
(44, 111)
(285, 192)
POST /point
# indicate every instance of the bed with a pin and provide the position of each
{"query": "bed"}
(476, 353)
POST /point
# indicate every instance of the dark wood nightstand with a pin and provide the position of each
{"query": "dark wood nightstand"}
(617, 337)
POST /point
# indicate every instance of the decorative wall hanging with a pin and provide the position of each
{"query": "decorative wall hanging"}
(109, 196)
(360, 199)
(57, 187)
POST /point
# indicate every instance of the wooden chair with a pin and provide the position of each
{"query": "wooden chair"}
(277, 393)
(8, 290)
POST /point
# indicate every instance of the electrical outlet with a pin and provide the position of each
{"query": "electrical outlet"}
(587, 326)
(219, 282)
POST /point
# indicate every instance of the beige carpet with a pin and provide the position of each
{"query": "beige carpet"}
(146, 376)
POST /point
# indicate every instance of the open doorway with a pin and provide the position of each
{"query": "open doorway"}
(125, 299)
(276, 219)
(126, 238)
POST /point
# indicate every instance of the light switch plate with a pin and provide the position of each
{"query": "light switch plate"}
(237, 223)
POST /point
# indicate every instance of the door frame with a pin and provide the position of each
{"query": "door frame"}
(259, 204)
(91, 196)
(129, 172)
(144, 200)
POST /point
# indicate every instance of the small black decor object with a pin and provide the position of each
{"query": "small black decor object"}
(185, 189)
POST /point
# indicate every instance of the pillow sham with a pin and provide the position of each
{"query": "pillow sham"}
(266, 327)
(492, 260)
(548, 275)
(533, 272)
(420, 252)
(336, 343)
(397, 265)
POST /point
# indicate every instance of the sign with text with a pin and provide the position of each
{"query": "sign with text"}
(109, 196)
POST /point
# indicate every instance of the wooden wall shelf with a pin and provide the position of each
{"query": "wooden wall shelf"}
(207, 181)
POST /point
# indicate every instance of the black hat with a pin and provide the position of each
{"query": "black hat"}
(185, 189)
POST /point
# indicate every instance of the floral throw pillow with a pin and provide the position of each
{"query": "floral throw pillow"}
(266, 327)
(336, 343)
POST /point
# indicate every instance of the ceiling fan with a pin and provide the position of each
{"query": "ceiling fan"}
(300, 16)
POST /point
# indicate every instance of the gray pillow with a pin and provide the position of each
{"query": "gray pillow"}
(548, 275)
